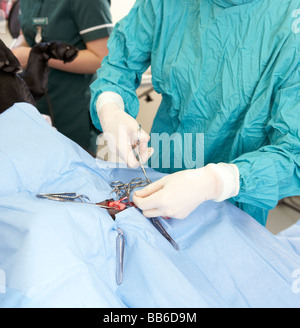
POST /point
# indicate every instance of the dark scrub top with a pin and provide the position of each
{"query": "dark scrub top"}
(75, 22)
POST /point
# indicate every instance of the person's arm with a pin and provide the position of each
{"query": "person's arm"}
(260, 177)
(114, 102)
(273, 171)
(87, 61)
(129, 56)
(92, 19)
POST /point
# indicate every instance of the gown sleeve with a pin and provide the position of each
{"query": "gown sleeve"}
(130, 47)
(273, 171)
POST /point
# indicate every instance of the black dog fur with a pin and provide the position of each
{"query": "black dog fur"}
(31, 84)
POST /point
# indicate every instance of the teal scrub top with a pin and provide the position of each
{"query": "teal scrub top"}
(227, 70)
(75, 22)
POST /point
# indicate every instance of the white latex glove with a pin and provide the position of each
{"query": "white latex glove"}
(121, 130)
(178, 194)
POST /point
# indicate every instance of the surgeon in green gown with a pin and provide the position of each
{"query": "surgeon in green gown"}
(229, 75)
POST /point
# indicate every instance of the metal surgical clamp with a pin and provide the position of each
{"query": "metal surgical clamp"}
(71, 197)
(65, 197)
(123, 190)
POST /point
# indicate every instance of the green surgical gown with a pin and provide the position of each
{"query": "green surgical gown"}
(227, 70)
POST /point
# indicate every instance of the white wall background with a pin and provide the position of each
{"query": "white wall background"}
(120, 8)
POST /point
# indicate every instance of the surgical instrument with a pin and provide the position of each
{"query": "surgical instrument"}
(138, 154)
(164, 232)
(64, 197)
(123, 190)
(120, 250)
(73, 197)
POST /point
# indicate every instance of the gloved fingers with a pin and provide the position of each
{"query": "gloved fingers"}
(176, 211)
(164, 210)
(147, 154)
(133, 162)
(154, 213)
(130, 158)
(166, 214)
(123, 134)
(139, 143)
(148, 203)
(144, 156)
(136, 133)
(150, 189)
(150, 197)
(121, 145)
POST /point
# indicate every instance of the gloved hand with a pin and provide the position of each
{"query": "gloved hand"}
(121, 130)
(178, 194)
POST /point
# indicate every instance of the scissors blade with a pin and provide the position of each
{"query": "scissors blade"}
(138, 155)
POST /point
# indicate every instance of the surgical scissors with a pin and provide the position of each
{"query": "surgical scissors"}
(138, 154)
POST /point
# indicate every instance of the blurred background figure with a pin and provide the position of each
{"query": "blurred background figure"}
(5, 7)
(85, 25)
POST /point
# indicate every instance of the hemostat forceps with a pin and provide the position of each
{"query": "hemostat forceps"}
(73, 197)
(123, 190)
(65, 197)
